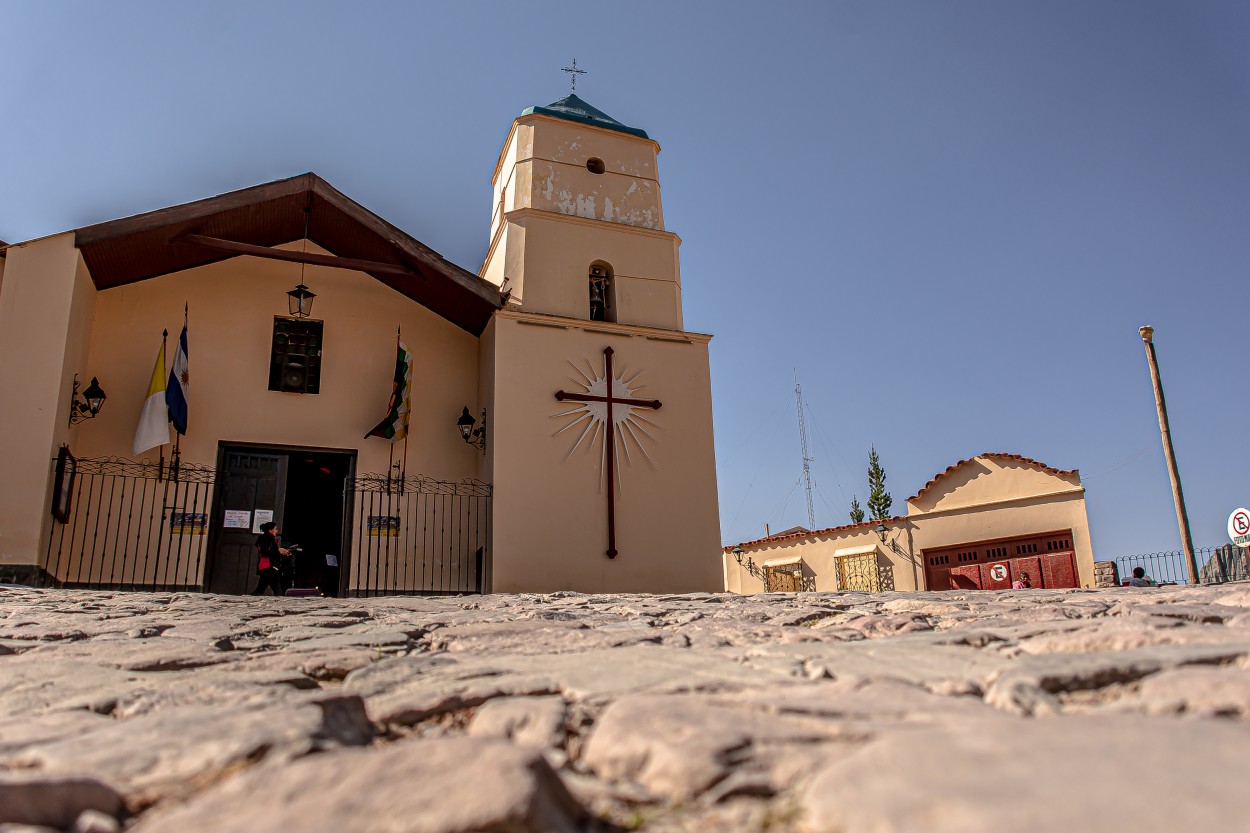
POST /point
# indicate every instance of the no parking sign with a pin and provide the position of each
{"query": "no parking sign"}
(998, 572)
(1239, 527)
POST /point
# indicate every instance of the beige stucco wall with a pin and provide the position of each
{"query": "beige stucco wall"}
(550, 528)
(543, 166)
(46, 306)
(984, 499)
(503, 182)
(552, 218)
(558, 251)
(65, 325)
(232, 307)
(819, 561)
(486, 462)
(984, 480)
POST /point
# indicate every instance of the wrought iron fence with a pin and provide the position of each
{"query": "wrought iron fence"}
(129, 525)
(1216, 565)
(417, 536)
(143, 525)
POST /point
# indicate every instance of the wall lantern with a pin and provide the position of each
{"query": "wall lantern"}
(751, 567)
(300, 301)
(471, 435)
(94, 397)
(881, 532)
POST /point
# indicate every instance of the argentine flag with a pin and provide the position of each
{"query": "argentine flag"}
(179, 383)
(153, 429)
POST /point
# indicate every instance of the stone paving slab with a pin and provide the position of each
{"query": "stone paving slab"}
(810, 712)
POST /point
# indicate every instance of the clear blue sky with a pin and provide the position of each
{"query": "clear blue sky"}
(949, 217)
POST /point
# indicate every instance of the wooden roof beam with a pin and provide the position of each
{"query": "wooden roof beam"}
(370, 266)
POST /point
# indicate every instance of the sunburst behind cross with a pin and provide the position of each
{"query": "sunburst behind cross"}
(631, 428)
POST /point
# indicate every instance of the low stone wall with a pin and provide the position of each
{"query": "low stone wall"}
(1106, 574)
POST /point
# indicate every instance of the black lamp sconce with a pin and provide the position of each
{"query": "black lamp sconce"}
(737, 551)
(751, 567)
(475, 436)
(881, 532)
(89, 404)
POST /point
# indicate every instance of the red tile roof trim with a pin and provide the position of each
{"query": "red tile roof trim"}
(772, 539)
(996, 455)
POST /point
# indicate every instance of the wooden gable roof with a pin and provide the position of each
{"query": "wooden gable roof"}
(168, 240)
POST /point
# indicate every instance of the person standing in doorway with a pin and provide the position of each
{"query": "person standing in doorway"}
(267, 565)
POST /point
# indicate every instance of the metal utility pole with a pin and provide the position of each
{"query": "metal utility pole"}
(1178, 496)
(807, 456)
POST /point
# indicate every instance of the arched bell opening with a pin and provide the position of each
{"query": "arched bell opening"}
(602, 292)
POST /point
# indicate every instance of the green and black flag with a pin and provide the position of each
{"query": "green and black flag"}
(394, 426)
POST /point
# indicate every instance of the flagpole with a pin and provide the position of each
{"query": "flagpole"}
(403, 472)
(177, 455)
(160, 449)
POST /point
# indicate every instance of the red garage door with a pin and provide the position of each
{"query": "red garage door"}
(1049, 560)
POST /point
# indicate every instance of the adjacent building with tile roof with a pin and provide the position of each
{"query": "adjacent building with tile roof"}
(982, 523)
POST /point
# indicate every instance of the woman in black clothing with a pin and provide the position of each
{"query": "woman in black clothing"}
(267, 566)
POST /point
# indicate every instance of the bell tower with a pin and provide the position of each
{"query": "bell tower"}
(600, 458)
(577, 226)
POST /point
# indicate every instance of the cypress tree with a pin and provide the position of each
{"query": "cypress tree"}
(879, 500)
(857, 511)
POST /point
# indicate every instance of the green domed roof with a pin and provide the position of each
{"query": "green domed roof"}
(572, 108)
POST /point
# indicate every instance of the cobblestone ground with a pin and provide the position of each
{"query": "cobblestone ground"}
(859, 713)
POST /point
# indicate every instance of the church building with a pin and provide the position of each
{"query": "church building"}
(413, 427)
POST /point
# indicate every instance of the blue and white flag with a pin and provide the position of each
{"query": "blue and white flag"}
(179, 383)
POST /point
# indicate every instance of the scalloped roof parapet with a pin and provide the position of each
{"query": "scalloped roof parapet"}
(995, 455)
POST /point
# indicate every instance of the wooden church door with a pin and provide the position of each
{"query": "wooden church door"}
(250, 481)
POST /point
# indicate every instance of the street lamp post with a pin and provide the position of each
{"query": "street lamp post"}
(1178, 496)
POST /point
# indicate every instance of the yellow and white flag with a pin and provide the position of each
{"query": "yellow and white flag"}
(153, 429)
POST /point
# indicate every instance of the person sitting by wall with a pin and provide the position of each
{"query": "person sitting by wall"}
(1140, 579)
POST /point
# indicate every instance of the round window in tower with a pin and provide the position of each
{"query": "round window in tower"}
(595, 165)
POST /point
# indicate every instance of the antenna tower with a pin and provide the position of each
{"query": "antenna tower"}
(807, 454)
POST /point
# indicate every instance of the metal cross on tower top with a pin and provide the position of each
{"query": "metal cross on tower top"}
(573, 72)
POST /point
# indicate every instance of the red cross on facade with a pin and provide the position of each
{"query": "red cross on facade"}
(610, 438)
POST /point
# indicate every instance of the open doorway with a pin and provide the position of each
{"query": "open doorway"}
(314, 517)
(300, 489)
